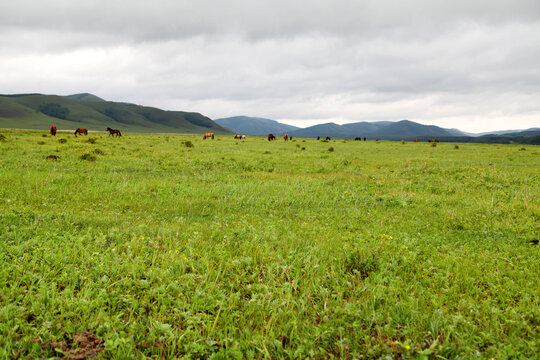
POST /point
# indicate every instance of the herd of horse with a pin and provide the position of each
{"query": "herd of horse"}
(208, 135)
(81, 131)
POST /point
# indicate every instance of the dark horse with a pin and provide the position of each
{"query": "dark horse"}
(81, 131)
(271, 137)
(52, 129)
(114, 132)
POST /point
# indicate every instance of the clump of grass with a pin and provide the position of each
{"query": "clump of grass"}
(456, 147)
(267, 152)
(3, 137)
(98, 152)
(403, 142)
(434, 144)
(297, 145)
(303, 148)
(91, 140)
(331, 149)
(41, 142)
(188, 144)
(43, 135)
(522, 149)
(361, 264)
(62, 141)
(87, 157)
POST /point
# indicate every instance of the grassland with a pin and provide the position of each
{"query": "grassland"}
(168, 246)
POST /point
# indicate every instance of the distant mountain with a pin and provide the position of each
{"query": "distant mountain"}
(507, 132)
(404, 129)
(36, 111)
(84, 97)
(254, 125)
(323, 130)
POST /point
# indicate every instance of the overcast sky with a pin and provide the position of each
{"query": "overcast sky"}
(467, 64)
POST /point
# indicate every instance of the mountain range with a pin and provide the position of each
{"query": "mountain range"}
(386, 130)
(37, 111)
(255, 125)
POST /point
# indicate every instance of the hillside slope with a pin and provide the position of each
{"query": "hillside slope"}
(36, 111)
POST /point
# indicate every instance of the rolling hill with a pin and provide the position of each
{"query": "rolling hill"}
(255, 125)
(404, 129)
(37, 111)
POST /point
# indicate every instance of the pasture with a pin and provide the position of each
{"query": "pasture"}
(171, 246)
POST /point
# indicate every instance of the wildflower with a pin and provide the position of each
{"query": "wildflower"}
(408, 347)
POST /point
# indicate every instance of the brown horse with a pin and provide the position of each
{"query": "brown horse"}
(238, 136)
(114, 132)
(81, 131)
(52, 129)
(271, 137)
(208, 135)
(357, 139)
(286, 137)
(328, 138)
(433, 140)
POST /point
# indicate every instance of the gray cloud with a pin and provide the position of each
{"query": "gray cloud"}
(447, 63)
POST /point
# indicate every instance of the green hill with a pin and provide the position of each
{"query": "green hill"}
(37, 111)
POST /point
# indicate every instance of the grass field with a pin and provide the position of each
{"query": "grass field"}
(168, 246)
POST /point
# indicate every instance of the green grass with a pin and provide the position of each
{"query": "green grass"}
(257, 249)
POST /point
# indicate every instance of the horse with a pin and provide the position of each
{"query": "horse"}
(243, 137)
(286, 137)
(208, 135)
(52, 129)
(318, 138)
(81, 131)
(365, 139)
(114, 132)
(238, 136)
(415, 140)
(328, 138)
(433, 140)
(357, 139)
(271, 137)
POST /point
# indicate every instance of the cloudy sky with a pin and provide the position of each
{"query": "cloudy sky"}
(467, 64)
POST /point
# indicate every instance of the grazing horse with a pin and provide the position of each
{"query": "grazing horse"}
(433, 140)
(114, 132)
(328, 138)
(318, 138)
(238, 136)
(81, 131)
(365, 139)
(286, 137)
(52, 129)
(243, 137)
(357, 139)
(415, 140)
(271, 137)
(208, 135)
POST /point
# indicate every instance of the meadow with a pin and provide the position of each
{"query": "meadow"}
(170, 246)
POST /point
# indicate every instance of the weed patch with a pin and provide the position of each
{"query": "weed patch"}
(87, 157)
